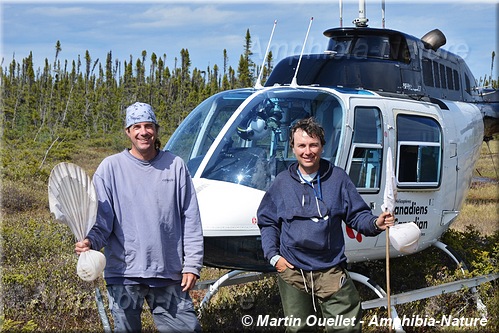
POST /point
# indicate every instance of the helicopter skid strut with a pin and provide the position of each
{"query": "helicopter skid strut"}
(239, 276)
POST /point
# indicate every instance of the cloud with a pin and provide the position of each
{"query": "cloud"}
(61, 11)
(179, 16)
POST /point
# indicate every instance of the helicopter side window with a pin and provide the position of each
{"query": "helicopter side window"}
(436, 72)
(330, 115)
(450, 81)
(399, 49)
(368, 46)
(427, 72)
(365, 161)
(456, 79)
(385, 47)
(340, 45)
(419, 151)
(467, 84)
(377, 47)
(443, 82)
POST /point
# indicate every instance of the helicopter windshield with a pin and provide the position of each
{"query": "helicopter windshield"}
(256, 146)
(196, 134)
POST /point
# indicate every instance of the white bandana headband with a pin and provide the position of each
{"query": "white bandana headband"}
(138, 113)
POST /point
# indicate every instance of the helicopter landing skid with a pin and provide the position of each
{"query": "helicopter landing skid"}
(230, 278)
(239, 276)
(482, 309)
(427, 292)
(371, 284)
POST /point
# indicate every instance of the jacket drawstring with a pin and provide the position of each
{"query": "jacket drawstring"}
(304, 281)
(313, 296)
(306, 288)
(317, 191)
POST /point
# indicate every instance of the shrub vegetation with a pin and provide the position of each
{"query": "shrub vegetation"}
(41, 291)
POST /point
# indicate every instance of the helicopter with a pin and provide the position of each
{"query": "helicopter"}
(372, 89)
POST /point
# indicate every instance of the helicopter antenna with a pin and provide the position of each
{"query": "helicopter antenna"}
(293, 82)
(361, 21)
(258, 84)
(492, 66)
(341, 14)
(383, 14)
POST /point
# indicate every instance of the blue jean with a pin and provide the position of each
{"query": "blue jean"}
(171, 308)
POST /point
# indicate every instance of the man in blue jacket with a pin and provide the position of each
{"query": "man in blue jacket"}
(300, 220)
(149, 225)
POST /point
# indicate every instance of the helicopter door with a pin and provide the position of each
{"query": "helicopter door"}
(364, 164)
(450, 169)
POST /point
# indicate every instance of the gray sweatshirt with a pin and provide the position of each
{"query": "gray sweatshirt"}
(148, 219)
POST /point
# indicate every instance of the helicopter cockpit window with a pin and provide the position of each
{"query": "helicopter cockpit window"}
(198, 131)
(419, 151)
(365, 160)
(256, 146)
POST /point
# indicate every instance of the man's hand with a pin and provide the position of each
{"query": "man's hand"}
(282, 264)
(385, 220)
(188, 281)
(82, 246)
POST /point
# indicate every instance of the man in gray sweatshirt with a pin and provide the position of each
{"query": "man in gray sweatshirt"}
(149, 225)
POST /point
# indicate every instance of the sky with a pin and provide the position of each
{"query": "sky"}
(206, 28)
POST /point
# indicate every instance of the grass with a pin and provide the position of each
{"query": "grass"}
(40, 289)
(481, 209)
(488, 164)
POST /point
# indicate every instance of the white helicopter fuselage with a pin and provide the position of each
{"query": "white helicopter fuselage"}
(435, 147)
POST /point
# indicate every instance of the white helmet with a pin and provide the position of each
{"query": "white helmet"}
(259, 127)
(256, 130)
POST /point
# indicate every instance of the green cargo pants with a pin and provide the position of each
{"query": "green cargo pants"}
(339, 312)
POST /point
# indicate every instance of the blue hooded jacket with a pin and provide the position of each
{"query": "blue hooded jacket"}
(302, 221)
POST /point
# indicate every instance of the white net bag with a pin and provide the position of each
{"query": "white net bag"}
(73, 201)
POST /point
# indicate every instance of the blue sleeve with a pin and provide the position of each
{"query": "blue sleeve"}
(270, 226)
(358, 214)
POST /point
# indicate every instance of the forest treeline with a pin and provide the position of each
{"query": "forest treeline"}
(87, 97)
